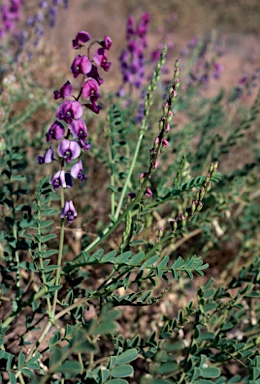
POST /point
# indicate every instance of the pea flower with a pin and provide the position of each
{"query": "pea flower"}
(61, 179)
(106, 43)
(80, 65)
(100, 58)
(55, 132)
(77, 171)
(69, 150)
(95, 75)
(69, 110)
(47, 158)
(81, 38)
(78, 129)
(90, 89)
(65, 91)
(68, 211)
(148, 192)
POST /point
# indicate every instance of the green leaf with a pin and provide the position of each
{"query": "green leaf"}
(127, 356)
(55, 356)
(122, 371)
(137, 259)
(117, 381)
(123, 257)
(53, 288)
(48, 237)
(150, 262)
(70, 367)
(166, 368)
(12, 378)
(109, 257)
(160, 381)
(21, 360)
(104, 374)
(206, 336)
(55, 338)
(49, 253)
(104, 328)
(210, 372)
(202, 381)
(33, 363)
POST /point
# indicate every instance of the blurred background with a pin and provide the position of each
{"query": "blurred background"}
(176, 21)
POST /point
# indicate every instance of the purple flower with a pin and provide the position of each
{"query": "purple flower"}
(55, 132)
(148, 192)
(106, 43)
(95, 75)
(77, 171)
(68, 211)
(78, 129)
(81, 38)
(47, 158)
(90, 89)
(81, 65)
(69, 150)
(61, 179)
(69, 110)
(100, 58)
(65, 91)
(94, 107)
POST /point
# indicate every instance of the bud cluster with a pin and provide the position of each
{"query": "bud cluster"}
(69, 128)
(206, 65)
(196, 204)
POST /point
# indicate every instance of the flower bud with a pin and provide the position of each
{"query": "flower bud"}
(193, 206)
(202, 193)
(199, 206)
(165, 108)
(207, 178)
(208, 186)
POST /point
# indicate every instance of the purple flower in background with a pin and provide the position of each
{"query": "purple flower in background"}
(53, 12)
(69, 150)
(81, 65)
(100, 58)
(131, 59)
(65, 91)
(77, 171)
(81, 38)
(55, 132)
(69, 110)
(69, 212)
(106, 43)
(61, 179)
(47, 158)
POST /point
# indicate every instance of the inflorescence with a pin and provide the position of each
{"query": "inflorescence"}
(72, 137)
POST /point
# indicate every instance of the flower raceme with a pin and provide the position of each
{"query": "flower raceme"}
(69, 128)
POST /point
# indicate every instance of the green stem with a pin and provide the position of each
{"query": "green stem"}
(57, 280)
(129, 175)
(111, 227)
(41, 262)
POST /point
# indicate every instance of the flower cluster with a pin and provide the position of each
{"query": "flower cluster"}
(207, 63)
(47, 10)
(132, 62)
(9, 15)
(70, 129)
